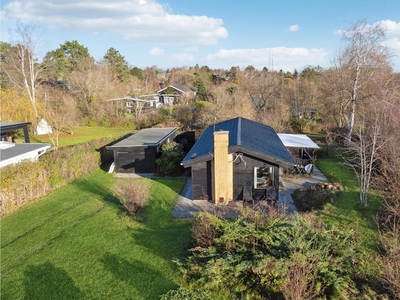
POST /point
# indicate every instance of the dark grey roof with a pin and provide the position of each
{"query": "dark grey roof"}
(145, 138)
(184, 88)
(20, 150)
(245, 136)
(11, 126)
(180, 87)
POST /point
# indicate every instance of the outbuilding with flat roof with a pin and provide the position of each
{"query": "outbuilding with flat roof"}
(138, 152)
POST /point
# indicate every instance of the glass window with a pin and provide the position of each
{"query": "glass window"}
(263, 177)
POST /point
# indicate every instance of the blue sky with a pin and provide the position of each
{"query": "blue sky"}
(278, 34)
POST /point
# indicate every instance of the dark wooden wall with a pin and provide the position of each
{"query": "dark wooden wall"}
(243, 175)
(202, 181)
(135, 160)
(139, 159)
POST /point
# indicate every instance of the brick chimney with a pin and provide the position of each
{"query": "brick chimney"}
(222, 169)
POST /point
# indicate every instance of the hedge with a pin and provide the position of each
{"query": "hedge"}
(29, 180)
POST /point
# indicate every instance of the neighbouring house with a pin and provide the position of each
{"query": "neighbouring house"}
(13, 153)
(306, 113)
(138, 152)
(170, 94)
(142, 103)
(238, 159)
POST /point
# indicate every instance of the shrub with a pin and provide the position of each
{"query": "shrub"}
(169, 162)
(133, 194)
(186, 294)
(277, 258)
(314, 198)
(205, 229)
(30, 180)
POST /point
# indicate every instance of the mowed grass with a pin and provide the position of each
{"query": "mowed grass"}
(78, 243)
(347, 215)
(81, 135)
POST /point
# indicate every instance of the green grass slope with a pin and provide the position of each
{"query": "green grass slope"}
(78, 243)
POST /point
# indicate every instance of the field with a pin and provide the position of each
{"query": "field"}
(78, 243)
(81, 135)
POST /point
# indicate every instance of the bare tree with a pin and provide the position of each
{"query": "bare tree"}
(87, 84)
(362, 153)
(21, 61)
(362, 55)
(60, 110)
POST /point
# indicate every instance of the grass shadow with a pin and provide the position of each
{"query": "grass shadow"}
(162, 234)
(142, 276)
(46, 281)
(98, 189)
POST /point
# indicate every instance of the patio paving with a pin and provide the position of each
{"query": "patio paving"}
(295, 183)
(186, 207)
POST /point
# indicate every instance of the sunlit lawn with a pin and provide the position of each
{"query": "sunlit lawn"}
(346, 212)
(81, 134)
(77, 243)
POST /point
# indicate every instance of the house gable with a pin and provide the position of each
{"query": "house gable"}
(245, 136)
(253, 148)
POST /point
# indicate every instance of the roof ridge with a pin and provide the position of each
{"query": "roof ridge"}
(239, 134)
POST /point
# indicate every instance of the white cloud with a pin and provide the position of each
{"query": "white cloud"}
(156, 51)
(294, 28)
(136, 20)
(393, 44)
(392, 28)
(283, 58)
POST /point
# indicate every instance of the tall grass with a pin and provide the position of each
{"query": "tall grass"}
(78, 243)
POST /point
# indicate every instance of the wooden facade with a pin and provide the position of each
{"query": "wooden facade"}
(254, 154)
(138, 153)
(243, 176)
(136, 160)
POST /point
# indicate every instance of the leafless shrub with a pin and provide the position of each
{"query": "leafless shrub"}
(204, 229)
(133, 194)
(391, 257)
(300, 279)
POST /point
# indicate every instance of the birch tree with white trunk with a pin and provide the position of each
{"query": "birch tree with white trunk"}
(21, 61)
(363, 54)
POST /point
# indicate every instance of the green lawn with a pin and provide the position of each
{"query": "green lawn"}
(346, 212)
(78, 243)
(81, 135)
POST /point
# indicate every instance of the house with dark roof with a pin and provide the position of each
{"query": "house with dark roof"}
(170, 94)
(238, 159)
(14, 153)
(138, 152)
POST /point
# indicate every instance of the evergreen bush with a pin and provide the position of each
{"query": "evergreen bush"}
(169, 162)
(272, 257)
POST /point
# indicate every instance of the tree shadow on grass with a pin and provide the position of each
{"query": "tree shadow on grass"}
(98, 190)
(46, 281)
(139, 275)
(163, 235)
